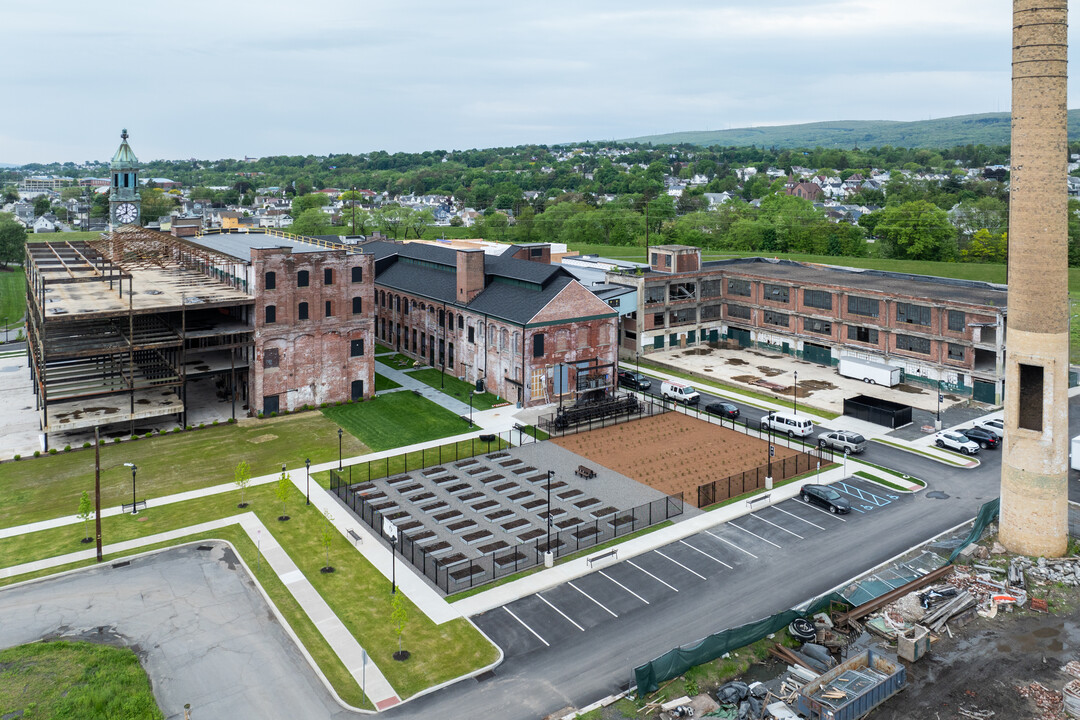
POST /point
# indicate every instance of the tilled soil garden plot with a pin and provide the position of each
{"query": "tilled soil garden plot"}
(673, 452)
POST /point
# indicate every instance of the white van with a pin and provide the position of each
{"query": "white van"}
(679, 393)
(790, 423)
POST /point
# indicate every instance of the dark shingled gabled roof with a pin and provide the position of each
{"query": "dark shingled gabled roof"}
(403, 266)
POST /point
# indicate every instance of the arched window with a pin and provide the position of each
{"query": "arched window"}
(271, 314)
(270, 281)
(504, 339)
(302, 278)
(302, 311)
(357, 306)
(450, 320)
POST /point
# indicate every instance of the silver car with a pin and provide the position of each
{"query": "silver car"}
(845, 441)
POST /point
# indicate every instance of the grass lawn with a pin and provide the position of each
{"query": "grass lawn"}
(455, 388)
(35, 489)
(380, 349)
(74, 680)
(384, 383)
(396, 419)
(12, 296)
(398, 361)
(357, 592)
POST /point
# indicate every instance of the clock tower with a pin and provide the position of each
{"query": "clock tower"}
(124, 196)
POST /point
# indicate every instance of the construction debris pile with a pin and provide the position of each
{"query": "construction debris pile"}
(1061, 570)
(1049, 702)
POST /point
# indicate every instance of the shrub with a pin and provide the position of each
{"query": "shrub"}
(52, 451)
(37, 453)
(116, 440)
(260, 416)
(85, 445)
(177, 429)
(232, 420)
(17, 456)
(273, 414)
(215, 422)
(134, 437)
(202, 425)
(187, 427)
(322, 405)
(147, 435)
(67, 448)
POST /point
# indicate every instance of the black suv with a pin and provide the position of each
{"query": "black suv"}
(984, 437)
(637, 381)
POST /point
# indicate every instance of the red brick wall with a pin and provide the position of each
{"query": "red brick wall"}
(315, 362)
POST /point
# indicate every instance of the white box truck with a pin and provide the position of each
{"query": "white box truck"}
(875, 373)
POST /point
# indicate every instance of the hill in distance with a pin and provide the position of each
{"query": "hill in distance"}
(985, 129)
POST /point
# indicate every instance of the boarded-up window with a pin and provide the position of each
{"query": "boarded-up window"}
(1031, 397)
(271, 358)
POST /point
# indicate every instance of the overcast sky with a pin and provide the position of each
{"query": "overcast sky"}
(228, 79)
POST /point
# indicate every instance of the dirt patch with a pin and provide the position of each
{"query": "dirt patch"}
(769, 371)
(673, 452)
(983, 667)
(812, 385)
(699, 351)
(262, 438)
(736, 361)
(748, 379)
(904, 387)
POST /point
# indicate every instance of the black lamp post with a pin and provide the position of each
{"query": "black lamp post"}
(470, 408)
(795, 392)
(134, 509)
(339, 433)
(549, 474)
(307, 463)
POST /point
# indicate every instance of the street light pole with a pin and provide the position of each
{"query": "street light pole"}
(133, 470)
(307, 463)
(339, 433)
(548, 546)
(795, 392)
(470, 408)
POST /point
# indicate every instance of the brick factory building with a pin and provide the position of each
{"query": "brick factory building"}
(527, 328)
(140, 325)
(937, 329)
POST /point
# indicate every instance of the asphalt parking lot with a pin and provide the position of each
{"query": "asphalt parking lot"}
(705, 562)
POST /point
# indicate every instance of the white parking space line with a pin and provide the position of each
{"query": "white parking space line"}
(560, 612)
(679, 564)
(798, 518)
(754, 534)
(825, 512)
(624, 587)
(631, 562)
(592, 598)
(706, 554)
(732, 544)
(778, 526)
(526, 626)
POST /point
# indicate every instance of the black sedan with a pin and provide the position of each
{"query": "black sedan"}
(984, 437)
(826, 497)
(723, 409)
(637, 381)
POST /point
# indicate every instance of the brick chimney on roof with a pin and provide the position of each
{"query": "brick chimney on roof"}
(470, 274)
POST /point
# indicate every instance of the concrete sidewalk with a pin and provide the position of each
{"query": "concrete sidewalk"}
(378, 689)
(431, 393)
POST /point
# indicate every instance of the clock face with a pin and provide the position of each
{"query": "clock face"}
(126, 212)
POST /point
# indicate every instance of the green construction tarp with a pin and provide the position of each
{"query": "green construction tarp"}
(987, 514)
(675, 662)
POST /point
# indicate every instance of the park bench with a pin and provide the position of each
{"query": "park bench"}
(139, 505)
(756, 499)
(612, 553)
(355, 536)
(585, 472)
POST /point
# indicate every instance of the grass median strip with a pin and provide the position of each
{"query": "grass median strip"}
(896, 473)
(357, 592)
(960, 461)
(384, 383)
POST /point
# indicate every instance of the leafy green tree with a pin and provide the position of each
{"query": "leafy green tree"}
(11, 194)
(525, 226)
(493, 227)
(986, 247)
(310, 222)
(282, 491)
(155, 204)
(418, 221)
(242, 478)
(917, 230)
(70, 193)
(41, 205)
(86, 509)
(390, 218)
(301, 203)
(12, 240)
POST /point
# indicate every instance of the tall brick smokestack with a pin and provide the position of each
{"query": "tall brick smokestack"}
(1034, 463)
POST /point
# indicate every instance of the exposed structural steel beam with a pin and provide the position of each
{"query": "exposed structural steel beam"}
(133, 247)
(1035, 460)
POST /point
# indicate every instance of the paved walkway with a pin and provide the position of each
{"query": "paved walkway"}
(406, 382)
(375, 684)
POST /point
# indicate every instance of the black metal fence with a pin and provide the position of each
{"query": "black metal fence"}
(754, 479)
(575, 419)
(471, 572)
(439, 455)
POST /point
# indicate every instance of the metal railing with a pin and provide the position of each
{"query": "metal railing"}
(779, 469)
(565, 422)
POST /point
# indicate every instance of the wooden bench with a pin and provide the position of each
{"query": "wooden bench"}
(585, 472)
(613, 552)
(355, 536)
(756, 499)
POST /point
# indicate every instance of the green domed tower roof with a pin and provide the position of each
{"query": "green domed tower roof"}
(124, 157)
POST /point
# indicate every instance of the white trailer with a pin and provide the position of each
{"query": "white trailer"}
(875, 373)
(1074, 453)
